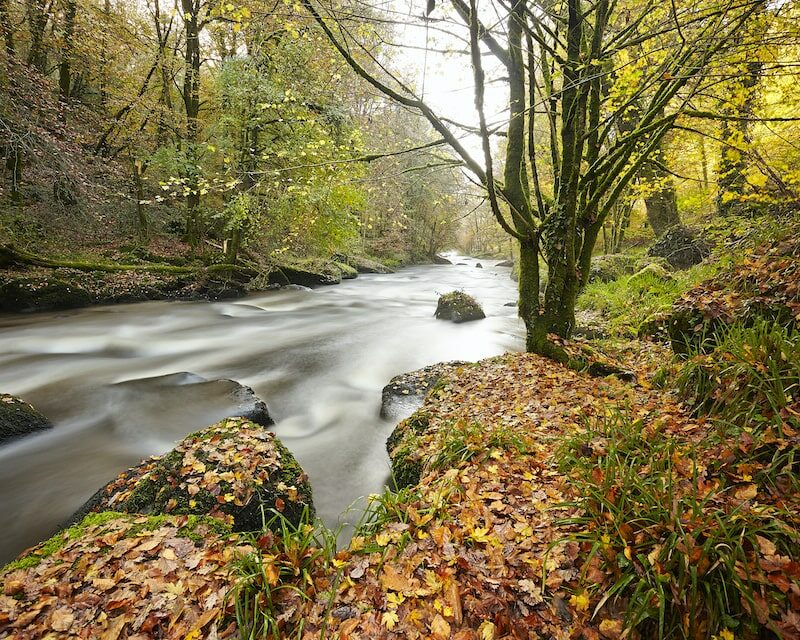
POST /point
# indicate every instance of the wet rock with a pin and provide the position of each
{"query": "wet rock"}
(362, 264)
(203, 399)
(296, 287)
(311, 276)
(18, 418)
(505, 263)
(41, 293)
(681, 247)
(137, 556)
(458, 307)
(437, 259)
(479, 266)
(510, 304)
(406, 392)
(235, 470)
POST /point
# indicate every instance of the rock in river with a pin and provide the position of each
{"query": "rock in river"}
(234, 470)
(18, 418)
(458, 307)
(405, 393)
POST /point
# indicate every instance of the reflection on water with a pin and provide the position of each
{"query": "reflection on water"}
(318, 358)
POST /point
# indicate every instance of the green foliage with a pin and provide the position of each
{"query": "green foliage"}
(684, 556)
(277, 574)
(628, 302)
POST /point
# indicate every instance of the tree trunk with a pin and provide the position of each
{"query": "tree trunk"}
(142, 223)
(38, 16)
(191, 101)
(6, 29)
(14, 166)
(65, 66)
(735, 136)
(662, 202)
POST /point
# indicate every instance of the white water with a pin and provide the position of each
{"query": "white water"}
(318, 358)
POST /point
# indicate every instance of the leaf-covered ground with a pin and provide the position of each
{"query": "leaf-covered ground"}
(121, 576)
(496, 540)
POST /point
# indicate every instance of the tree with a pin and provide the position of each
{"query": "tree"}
(557, 59)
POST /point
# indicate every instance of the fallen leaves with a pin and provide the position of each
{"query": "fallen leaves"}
(171, 582)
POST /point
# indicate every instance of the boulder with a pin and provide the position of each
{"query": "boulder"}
(18, 418)
(312, 276)
(505, 263)
(406, 392)
(458, 307)
(681, 247)
(650, 272)
(479, 266)
(611, 266)
(42, 293)
(234, 470)
(346, 271)
(199, 401)
(117, 575)
(437, 259)
(362, 264)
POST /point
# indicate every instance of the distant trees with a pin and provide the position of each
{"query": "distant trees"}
(576, 69)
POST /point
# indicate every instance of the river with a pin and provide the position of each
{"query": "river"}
(318, 358)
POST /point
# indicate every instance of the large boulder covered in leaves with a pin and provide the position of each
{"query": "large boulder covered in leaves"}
(18, 418)
(117, 575)
(681, 247)
(763, 285)
(406, 392)
(235, 470)
(458, 307)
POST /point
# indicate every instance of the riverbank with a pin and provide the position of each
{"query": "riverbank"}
(537, 499)
(30, 282)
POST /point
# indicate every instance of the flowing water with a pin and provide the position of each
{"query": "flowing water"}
(318, 358)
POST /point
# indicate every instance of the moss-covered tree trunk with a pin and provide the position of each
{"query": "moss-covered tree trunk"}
(6, 29)
(191, 101)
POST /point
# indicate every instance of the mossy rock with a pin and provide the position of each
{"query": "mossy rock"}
(25, 295)
(347, 272)
(651, 272)
(437, 259)
(611, 267)
(362, 264)
(18, 418)
(117, 575)
(458, 307)
(311, 272)
(681, 246)
(235, 470)
(405, 393)
(404, 451)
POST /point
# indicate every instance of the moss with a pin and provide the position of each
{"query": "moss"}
(458, 307)
(346, 271)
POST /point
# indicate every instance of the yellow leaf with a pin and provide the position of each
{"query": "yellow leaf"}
(440, 627)
(580, 601)
(389, 619)
(486, 630)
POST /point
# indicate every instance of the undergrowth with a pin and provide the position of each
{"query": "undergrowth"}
(691, 554)
(630, 301)
(276, 577)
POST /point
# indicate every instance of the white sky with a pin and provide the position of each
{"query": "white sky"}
(448, 79)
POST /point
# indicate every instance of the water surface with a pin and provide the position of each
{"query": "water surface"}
(318, 358)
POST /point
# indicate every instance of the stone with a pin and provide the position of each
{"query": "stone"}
(681, 246)
(18, 418)
(458, 307)
(505, 263)
(437, 259)
(479, 266)
(611, 267)
(235, 470)
(406, 392)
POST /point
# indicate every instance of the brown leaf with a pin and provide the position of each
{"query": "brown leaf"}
(395, 581)
(440, 628)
